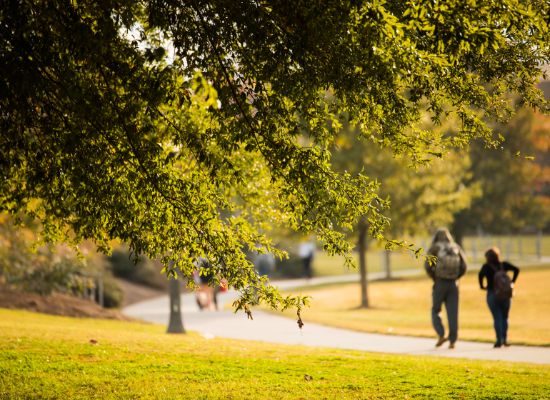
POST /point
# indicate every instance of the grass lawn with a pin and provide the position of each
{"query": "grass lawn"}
(403, 307)
(47, 357)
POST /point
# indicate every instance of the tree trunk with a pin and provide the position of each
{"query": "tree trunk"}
(539, 244)
(362, 245)
(176, 324)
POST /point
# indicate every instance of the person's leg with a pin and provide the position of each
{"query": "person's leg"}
(505, 305)
(216, 290)
(202, 297)
(451, 306)
(306, 262)
(206, 294)
(309, 273)
(495, 311)
(500, 320)
(198, 299)
(438, 295)
(210, 291)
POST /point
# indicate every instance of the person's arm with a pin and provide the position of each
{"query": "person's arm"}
(430, 269)
(513, 268)
(480, 276)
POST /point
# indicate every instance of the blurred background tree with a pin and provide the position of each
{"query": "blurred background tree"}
(184, 129)
(43, 268)
(513, 178)
(421, 197)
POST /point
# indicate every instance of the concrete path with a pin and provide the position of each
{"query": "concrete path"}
(272, 328)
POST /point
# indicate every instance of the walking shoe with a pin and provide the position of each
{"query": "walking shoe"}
(452, 345)
(440, 341)
(506, 344)
(497, 345)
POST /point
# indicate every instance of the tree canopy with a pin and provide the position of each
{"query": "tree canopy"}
(422, 197)
(188, 128)
(511, 178)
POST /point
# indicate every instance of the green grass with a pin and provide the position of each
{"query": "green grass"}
(47, 357)
(403, 307)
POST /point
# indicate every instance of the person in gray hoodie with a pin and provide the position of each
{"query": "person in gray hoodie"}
(445, 270)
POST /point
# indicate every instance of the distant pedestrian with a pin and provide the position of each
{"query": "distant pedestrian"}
(206, 295)
(306, 253)
(499, 291)
(264, 263)
(445, 272)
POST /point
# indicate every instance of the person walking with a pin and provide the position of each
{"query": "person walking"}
(264, 263)
(499, 291)
(306, 252)
(448, 268)
(206, 294)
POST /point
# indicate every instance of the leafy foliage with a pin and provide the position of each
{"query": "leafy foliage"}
(422, 197)
(41, 269)
(144, 271)
(113, 296)
(511, 178)
(188, 129)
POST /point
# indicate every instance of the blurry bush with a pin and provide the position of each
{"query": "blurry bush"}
(46, 268)
(289, 268)
(112, 293)
(46, 275)
(145, 271)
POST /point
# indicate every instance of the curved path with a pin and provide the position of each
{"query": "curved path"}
(272, 328)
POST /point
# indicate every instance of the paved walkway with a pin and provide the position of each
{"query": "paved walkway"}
(272, 328)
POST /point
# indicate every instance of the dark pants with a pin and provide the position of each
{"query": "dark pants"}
(445, 291)
(500, 310)
(306, 262)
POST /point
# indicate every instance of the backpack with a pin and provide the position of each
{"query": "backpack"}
(448, 261)
(502, 284)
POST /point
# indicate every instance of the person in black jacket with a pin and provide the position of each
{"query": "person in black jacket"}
(500, 308)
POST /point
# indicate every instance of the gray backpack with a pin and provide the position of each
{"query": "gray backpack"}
(448, 261)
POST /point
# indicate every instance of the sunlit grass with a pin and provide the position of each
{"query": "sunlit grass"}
(46, 357)
(403, 307)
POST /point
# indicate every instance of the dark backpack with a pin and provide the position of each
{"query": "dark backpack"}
(448, 261)
(502, 284)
